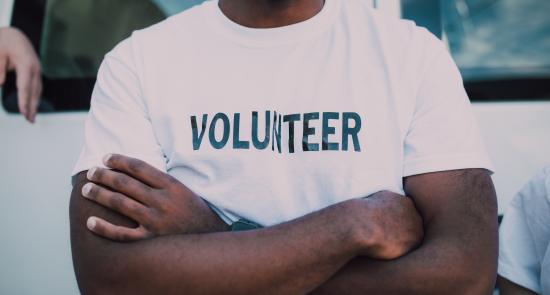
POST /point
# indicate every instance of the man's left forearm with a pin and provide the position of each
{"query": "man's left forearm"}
(459, 252)
(438, 267)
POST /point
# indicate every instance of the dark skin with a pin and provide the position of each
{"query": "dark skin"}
(358, 246)
(459, 251)
(169, 254)
(270, 13)
(364, 246)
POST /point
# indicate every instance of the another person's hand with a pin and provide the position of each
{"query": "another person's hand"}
(388, 225)
(17, 53)
(159, 203)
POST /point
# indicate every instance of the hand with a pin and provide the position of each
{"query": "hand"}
(17, 53)
(159, 203)
(388, 224)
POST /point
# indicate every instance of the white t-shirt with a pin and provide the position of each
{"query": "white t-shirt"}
(355, 100)
(524, 252)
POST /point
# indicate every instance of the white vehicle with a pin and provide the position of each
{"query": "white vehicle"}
(508, 83)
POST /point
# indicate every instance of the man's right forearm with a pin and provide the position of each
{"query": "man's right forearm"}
(291, 258)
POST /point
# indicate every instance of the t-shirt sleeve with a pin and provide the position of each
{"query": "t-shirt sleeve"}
(443, 133)
(118, 121)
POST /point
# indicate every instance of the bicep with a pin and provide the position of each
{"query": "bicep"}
(450, 198)
(93, 256)
(460, 215)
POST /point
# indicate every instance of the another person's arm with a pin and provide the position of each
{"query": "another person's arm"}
(17, 53)
(459, 251)
(291, 258)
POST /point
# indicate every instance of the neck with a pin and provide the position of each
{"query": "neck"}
(270, 13)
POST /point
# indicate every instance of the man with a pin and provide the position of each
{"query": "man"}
(17, 54)
(282, 117)
(524, 260)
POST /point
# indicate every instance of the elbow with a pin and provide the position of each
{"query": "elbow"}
(94, 289)
(97, 284)
(458, 271)
(480, 282)
(472, 276)
(98, 275)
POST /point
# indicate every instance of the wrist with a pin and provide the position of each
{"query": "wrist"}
(215, 222)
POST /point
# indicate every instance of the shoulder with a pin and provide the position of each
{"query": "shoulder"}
(406, 48)
(389, 28)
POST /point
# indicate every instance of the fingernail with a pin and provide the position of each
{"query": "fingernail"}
(91, 222)
(107, 158)
(91, 173)
(86, 189)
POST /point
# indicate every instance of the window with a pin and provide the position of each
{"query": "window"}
(72, 37)
(500, 46)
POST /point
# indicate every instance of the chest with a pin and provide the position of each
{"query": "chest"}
(269, 115)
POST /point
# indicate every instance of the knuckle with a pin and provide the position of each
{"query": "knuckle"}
(135, 165)
(119, 235)
(165, 207)
(141, 212)
(173, 190)
(116, 202)
(37, 67)
(154, 214)
(147, 189)
(28, 66)
(172, 180)
(33, 68)
(120, 181)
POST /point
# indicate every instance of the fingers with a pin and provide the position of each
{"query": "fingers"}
(123, 184)
(114, 232)
(35, 95)
(19, 54)
(116, 202)
(139, 170)
(3, 68)
(24, 85)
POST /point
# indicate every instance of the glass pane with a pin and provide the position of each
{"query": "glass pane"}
(72, 36)
(77, 34)
(506, 38)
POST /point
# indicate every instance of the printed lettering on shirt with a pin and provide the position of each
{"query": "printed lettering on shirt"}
(334, 131)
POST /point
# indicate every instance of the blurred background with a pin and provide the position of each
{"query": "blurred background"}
(501, 46)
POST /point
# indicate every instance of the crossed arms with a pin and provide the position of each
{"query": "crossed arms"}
(174, 244)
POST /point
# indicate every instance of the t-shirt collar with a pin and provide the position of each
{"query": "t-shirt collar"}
(266, 37)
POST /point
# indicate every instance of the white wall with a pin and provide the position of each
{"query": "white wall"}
(517, 135)
(35, 165)
(34, 195)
